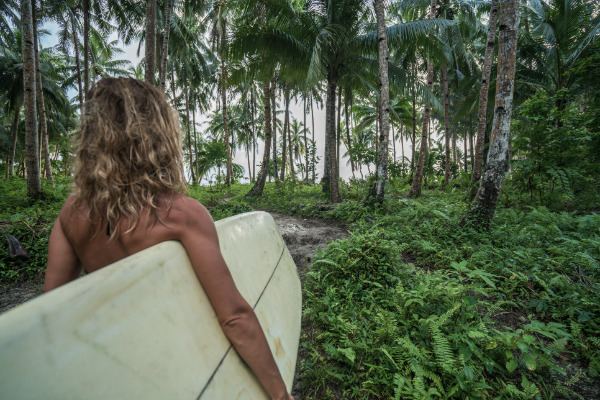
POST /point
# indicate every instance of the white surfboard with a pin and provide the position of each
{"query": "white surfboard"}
(143, 328)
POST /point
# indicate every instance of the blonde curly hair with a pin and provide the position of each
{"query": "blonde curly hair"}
(128, 153)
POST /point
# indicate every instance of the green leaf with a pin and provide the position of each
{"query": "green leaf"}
(349, 353)
(511, 365)
(530, 361)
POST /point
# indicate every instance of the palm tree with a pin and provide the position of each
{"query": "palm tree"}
(483, 210)
(297, 135)
(561, 32)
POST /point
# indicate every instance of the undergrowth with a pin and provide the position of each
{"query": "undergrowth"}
(413, 306)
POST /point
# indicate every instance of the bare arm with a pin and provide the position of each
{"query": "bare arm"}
(237, 318)
(63, 265)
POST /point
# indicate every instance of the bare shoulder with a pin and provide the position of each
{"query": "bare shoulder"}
(67, 212)
(190, 215)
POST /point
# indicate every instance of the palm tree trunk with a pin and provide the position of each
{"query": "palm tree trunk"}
(77, 63)
(393, 140)
(86, 47)
(483, 210)
(455, 158)
(195, 144)
(162, 71)
(34, 183)
(483, 97)
(259, 185)
(41, 108)
(415, 189)
(329, 177)
(402, 147)
(314, 160)
(274, 108)
(252, 112)
(339, 133)
(414, 133)
(290, 150)
(384, 102)
(189, 139)
(447, 127)
(305, 144)
(150, 46)
(349, 141)
(465, 151)
(248, 158)
(13, 148)
(229, 176)
(286, 124)
(471, 143)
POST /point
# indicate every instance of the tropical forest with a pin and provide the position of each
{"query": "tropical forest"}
(440, 157)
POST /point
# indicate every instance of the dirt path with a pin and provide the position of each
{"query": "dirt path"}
(303, 238)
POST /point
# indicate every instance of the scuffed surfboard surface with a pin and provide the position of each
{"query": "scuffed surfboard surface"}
(143, 328)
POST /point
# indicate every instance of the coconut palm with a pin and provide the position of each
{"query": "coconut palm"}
(561, 32)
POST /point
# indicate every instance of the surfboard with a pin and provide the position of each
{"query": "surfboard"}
(143, 328)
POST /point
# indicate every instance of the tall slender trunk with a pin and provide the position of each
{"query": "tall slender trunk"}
(150, 46)
(455, 158)
(338, 135)
(384, 102)
(330, 181)
(34, 183)
(483, 210)
(229, 175)
(248, 158)
(414, 133)
(77, 63)
(314, 159)
(305, 143)
(471, 142)
(402, 147)
(483, 97)
(415, 189)
(41, 107)
(447, 126)
(329, 131)
(465, 151)
(274, 107)
(195, 144)
(252, 112)
(393, 140)
(15, 132)
(162, 71)
(86, 47)
(349, 141)
(286, 124)
(187, 114)
(259, 185)
(289, 136)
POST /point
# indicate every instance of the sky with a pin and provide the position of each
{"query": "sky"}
(130, 53)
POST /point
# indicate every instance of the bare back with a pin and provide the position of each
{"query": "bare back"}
(90, 238)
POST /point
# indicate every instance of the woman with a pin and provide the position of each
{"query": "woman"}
(129, 194)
